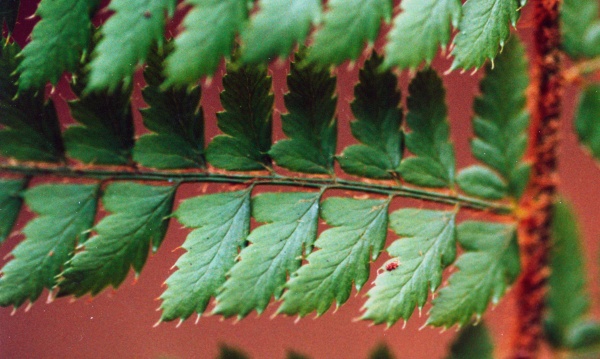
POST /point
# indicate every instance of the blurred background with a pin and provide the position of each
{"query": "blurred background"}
(119, 324)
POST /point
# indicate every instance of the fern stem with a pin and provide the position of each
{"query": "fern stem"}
(535, 224)
(278, 180)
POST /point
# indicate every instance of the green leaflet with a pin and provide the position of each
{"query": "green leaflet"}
(267, 36)
(568, 302)
(174, 117)
(246, 121)
(377, 124)
(427, 247)
(584, 337)
(429, 139)
(138, 218)
(419, 30)
(580, 28)
(210, 29)
(482, 182)
(66, 212)
(31, 130)
(105, 135)
(222, 223)
(586, 119)
(347, 26)
(276, 250)
(126, 40)
(472, 342)
(9, 10)
(500, 126)
(310, 121)
(484, 28)
(227, 352)
(295, 355)
(357, 237)
(10, 204)
(489, 265)
(57, 42)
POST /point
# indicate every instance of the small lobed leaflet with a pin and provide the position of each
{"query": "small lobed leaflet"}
(137, 221)
(377, 124)
(221, 225)
(246, 121)
(10, 204)
(310, 123)
(65, 212)
(174, 117)
(357, 236)
(132, 29)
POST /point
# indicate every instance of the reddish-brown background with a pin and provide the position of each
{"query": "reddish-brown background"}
(118, 324)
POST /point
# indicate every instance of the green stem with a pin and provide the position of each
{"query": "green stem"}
(310, 182)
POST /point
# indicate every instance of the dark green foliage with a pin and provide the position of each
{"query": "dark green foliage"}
(65, 213)
(246, 121)
(10, 204)
(259, 44)
(227, 352)
(127, 37)
(222, 223)
(210, 29)
(586, 119)
(566, 325)
(419, 30)
(138, 219)
(484, 29)
(488, 267)
(174, 117)
(105, 135)
(472, 342)
(309, 123)
(580, 28)
(347, 26)
(275, 251)
(9, 10)
(500, 127)
(358, 235)
(58, 41)
(31, 131)
(427, 247)
(429, 138)
(377, 125)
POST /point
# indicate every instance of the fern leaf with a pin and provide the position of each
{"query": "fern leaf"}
(32, 131)
(10, 204)
(358, 235)
(586, 119)
(500, 127)
(267, 36)
(173, 114)
(347, 26)
(132, 29)
(105, 135)
(138, 218)
(429, 139)
(377, 124)
(210, 29)
(419, 30)
(427, 247)
(222, 223)
(580, 28)
(309, 123)
(65, 213)
(484, 28)
(489, 265)
(276, 250)
(9, 10)
(472, 342)
(246, 121)
(568, 302)
(58, 41)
